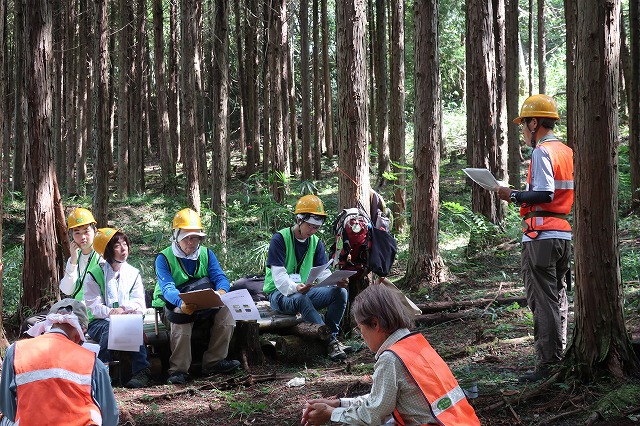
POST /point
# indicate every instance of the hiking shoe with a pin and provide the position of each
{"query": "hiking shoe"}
(140, 380)
(221, 367)
(177, 378)
(534, 375)
(335, 352)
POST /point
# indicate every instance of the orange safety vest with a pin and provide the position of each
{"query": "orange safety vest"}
(552, 216)
(53, 378)
(446, 399)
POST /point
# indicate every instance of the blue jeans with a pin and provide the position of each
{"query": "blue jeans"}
(333, 298)
(99, 331)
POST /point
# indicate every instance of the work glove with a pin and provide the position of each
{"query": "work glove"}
(221, 292)
(188, 308)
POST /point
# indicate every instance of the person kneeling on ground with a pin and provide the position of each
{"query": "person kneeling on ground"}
(411, 385)
(184, 266)
(52, 377)
(115, 288)
(292, 253)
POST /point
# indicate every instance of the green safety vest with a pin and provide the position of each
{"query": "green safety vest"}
(98, 274)
(180, 276)
(78, 291)
(291, 262)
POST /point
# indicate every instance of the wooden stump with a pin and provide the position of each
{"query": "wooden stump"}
(247, 344)
(295, 349)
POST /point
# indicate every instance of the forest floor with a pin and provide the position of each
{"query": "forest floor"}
(489, 347)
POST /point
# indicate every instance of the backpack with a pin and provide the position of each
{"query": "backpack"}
(360, 246)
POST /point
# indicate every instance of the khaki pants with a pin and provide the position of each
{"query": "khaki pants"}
(219, 337)
(544, 267)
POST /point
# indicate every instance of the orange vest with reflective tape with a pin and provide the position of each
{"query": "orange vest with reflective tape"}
(53, 378)
(551, 216)
(430, 373)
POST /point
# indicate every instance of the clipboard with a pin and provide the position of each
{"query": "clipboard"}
(204, 299)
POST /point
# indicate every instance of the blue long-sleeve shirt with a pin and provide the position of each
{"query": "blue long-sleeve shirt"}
(169, 291)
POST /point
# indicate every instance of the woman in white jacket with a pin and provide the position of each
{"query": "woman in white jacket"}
(115, 288)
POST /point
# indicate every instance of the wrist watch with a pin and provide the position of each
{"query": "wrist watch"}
(512, 197)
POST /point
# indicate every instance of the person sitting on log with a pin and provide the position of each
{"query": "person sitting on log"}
(293, 251)
(412, 385)
(184, 266)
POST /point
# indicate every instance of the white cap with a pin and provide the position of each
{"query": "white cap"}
(311, 219)
(181, 236)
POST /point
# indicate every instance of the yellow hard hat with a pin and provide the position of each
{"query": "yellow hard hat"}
(538, 106)
(187, 219)
(79, 217)
(310, 204)
(102, 238)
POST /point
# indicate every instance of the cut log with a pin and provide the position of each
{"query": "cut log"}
(464, 304)
(295, 349)
(276, 322)
(309, 330)
(441, 317)
(247, 344)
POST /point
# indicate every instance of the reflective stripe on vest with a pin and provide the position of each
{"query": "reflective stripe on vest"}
(433, 377)
(552, 216)
(53, 382)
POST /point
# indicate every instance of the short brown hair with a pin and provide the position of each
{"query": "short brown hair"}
(378, 301)
(109, 254)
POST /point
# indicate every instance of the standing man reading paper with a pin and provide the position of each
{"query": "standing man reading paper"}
(546, 241)
(292, 253)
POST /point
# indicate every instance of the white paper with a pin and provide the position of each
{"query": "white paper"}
(335, 278)
(93, 347)
(241, 305)
(484, 178)
(125, 332)
(315, 272)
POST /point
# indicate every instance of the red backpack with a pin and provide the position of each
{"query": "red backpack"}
(350, 251)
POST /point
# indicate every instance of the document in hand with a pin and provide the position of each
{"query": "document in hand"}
(335, 278)
(205, 298)
(125, 332)
(484, 178)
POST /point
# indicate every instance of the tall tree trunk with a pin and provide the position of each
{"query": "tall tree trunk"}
(600, 342)
(318, 125)
(20, 101)
(634, 101)
(85, 93)
(305, 88)
(69, 122)
(167, 162)
(531, 47)
(59, 144)
(242, 89)
(501, 89)
(201, 140)
(8, 82)
(512, 54)
(396, 114)
(172, 93)
(570, 15)
(42, 245)
(267, 18)
(424, 264)
(293, 112)
(278, 48)
(326, 77)
(481, 103)
(382, 90)
(220, 91)
(124, 105)
(371, 81)
(542, 50)
(103, 113)
(4, 123)
(188, 40)
(253, 123)
(136, 94)
(353, 156)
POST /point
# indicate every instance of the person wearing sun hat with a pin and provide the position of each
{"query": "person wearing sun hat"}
(184, 266)
(293, 251)
(69, 382)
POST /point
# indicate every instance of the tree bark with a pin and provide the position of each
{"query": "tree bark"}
(173, 97)
(396, 114)
(499, 33)
(424, 264)
(326, 73)
(318, 125)
(305, 88)
(242, 90)
(42, 246)
(124, 104)
(69, 127)
(600, 342)
(353, 156)
(4, 123)
(252, 121)
(542, 50)
(381, 90)
(103, 113)
(530, 47)
(293, 112)
(19, 152)
(482, 118)
(570, 24)
(220, 100)
(278, 43)
(188, 42)
(634, 101)
(512, 53)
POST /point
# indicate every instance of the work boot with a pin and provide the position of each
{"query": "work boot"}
(335, 352)
(140, 380)
(177, 378)
(539, 373)
(346, 348)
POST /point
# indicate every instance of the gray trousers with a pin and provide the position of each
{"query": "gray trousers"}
(544, 266)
